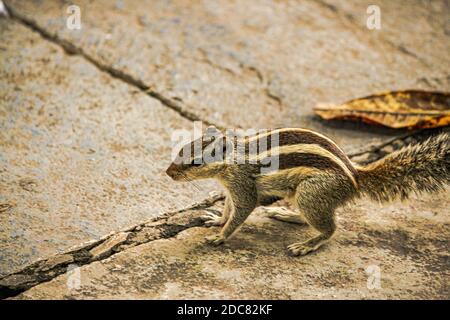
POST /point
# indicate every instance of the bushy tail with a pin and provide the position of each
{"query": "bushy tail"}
(422, 167)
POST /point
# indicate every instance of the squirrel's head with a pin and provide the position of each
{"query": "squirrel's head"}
(201, 158)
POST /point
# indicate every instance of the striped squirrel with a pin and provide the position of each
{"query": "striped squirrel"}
(312, 172)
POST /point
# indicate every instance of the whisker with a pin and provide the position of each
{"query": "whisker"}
(190, 181)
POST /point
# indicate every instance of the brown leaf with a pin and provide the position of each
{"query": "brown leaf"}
(397, 109)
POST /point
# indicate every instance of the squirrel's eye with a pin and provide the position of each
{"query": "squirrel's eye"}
(196, 162)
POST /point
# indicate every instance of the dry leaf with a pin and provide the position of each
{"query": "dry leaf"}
(398, 109)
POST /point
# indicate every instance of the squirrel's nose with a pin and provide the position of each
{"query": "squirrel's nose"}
(171, 170)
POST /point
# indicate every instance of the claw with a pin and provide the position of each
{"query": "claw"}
(215, 239)
(208, 216)
(299, 249)
(210, 219)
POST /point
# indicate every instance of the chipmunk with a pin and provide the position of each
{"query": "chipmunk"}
(312, 172)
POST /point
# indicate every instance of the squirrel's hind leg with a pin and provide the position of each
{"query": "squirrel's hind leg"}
(317, 198)
(302, 248)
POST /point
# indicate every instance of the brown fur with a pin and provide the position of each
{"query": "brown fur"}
(423, 167)
(318, 185)
(301, 136)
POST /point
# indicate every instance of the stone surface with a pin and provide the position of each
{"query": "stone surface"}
(419, 29)
(408, 242)
(259, 63)
(81, 154)
(162, 227)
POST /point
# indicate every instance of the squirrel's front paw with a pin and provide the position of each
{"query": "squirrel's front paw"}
(215, 239)
(300, 249)
(210, 219)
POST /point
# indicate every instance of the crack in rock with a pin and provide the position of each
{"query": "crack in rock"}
(71, 49)
(166, 226)
(375, 152)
